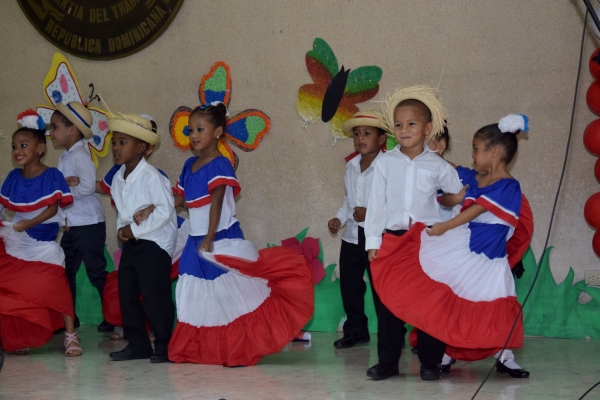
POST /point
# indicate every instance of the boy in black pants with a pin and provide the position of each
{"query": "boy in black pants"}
(146, 260)
(369, 133)
(404, 191)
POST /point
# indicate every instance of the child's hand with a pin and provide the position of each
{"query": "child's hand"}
(460, 196)
(72, 180)
(206, 245)
(125, 233)
(373, 254)
(437, 229)
(21, 226)
(334, 225)
(142, 215)
(359, 214)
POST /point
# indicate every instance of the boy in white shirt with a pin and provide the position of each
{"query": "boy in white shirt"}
(147, 248)
(404, 189)
(369, 133)
(85, 231)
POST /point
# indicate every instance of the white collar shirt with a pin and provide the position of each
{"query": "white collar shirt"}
(358, 189)
(86, 208)
(404, 191)
(143, 187)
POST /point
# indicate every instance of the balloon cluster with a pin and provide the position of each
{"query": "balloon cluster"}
(591, 140)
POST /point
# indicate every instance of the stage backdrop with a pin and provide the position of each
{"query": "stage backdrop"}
(488, 58)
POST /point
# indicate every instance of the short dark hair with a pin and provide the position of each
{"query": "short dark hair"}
(420, 106)
(492, 136)
(445, 135)
(217, 114)
(38, 134)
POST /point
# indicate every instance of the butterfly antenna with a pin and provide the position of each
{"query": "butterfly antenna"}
(91, 97)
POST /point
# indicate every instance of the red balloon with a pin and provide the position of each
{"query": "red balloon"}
(591, 210)
(592, 97)
(596, 243)
(595, 64)
(591, 137)
(597, 170)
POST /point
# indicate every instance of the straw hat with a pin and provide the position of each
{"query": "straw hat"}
(134, 125)
(78, 115)
(365, 118)
(425, 95)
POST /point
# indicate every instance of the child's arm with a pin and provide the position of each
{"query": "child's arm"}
(216, 204)
(178, 200)
(451, 200)
(336, 223)
(161, 197)
(464, 217)
(375, 218)
(143, 214)
(48, 213)
(74, 181)
(86, 174)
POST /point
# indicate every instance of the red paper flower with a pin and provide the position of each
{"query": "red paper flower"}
(310, 249)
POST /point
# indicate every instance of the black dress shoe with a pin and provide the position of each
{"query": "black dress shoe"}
(351, 340)
(445, 368)
(127, 354)
(159, 358)
(430, 372)
(105, 327)
(382, 371)
(514, 373)
(415, 350)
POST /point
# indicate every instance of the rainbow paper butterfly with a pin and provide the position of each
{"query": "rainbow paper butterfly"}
(245, 129)
(335, 92)
(60, 86)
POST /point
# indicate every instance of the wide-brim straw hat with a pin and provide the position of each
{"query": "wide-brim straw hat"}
(79, 115)
(425, 95)
(365, 118)
(134, 125)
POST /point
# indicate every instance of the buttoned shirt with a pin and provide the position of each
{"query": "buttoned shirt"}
(358, 188)
(404, 191)
(86, 208)
(143, 187)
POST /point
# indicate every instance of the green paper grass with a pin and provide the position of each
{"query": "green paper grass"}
(554, 310)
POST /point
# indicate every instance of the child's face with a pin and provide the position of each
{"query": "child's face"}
(26, 149)
(438, 146)
(59, 132)
(410, 127)
(203, 134)
(127, 148)
(482, 155)
(367, 140)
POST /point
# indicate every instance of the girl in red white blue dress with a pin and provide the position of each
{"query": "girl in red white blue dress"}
(35, 298)
(455, 282)
(234, 305)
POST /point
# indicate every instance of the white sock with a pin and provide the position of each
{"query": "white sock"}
(446, 359)
(508, 359)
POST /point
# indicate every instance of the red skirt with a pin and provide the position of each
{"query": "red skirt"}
(472, 330)
(33, 297)
(279, 285)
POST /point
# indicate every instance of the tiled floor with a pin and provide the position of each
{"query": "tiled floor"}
(560, 369)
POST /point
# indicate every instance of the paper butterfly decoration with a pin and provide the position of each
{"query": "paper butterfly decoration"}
(335, 92)
(60, 86)
(245, 129)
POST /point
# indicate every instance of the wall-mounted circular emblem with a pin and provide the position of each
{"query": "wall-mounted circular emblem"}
(100, 30)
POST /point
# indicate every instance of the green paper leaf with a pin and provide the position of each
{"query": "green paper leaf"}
(323, 53)
(363, 78)
(217, 82)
